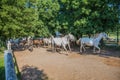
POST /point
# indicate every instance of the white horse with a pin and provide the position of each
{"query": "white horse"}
(62, 41)
(47, 41)
(92, 42)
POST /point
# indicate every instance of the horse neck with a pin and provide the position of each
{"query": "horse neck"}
(99, 38)
(66, 37)
(52, 37)
(73, 38)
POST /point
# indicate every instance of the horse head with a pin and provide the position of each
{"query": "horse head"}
(104, 35)
(71, 37)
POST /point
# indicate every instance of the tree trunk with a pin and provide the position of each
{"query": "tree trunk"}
(117, 35)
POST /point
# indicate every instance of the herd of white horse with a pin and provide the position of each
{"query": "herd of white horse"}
(65, 41)
(83, 42)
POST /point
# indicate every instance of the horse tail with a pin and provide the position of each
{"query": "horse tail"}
(78, 41)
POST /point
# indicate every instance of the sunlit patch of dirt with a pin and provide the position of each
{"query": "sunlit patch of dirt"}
(49, 65)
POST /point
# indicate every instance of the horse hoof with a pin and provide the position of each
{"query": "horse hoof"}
(98, 52)
(80, 53)
(66, 54)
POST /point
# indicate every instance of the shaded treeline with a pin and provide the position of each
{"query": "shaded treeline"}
(19, 18)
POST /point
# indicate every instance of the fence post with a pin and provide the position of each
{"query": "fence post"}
(10, 72)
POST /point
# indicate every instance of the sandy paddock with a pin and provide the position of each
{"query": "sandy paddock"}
(42, 64)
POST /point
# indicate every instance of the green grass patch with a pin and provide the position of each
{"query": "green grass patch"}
(2, 68)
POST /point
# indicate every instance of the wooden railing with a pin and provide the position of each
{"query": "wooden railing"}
(10, 72)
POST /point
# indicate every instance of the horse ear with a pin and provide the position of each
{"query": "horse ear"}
(102, 33)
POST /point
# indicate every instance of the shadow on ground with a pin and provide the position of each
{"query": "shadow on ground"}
(105, 51)
(32, 73)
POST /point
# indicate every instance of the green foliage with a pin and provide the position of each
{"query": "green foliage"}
(44, 17)
(47, 13)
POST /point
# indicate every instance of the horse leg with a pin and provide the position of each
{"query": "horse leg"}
(64, 48)
(52, 46)
(98, 49)
(84, 48)
(55, 48)
(93, 49)
(69, 47)
(81, 46)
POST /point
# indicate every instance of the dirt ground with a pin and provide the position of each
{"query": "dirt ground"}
(42, 64)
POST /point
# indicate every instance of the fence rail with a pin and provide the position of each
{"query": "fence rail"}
(10, 72)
